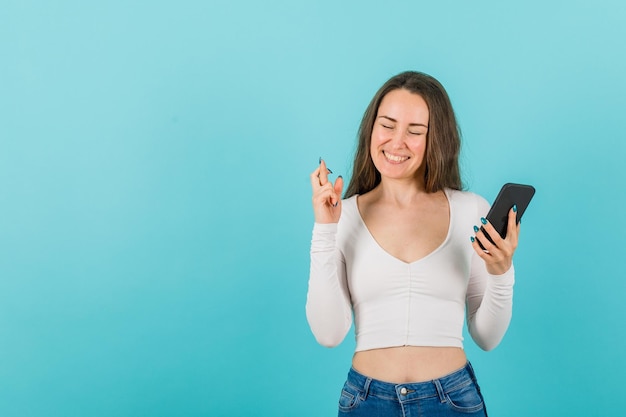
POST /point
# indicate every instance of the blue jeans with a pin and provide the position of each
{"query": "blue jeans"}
(456, 394)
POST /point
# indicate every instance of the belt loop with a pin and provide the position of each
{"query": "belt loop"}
(366, 388)
(442, 396)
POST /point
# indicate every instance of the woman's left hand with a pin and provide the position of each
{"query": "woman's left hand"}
(498, 256)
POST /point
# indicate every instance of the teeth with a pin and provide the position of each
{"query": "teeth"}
(395, 158)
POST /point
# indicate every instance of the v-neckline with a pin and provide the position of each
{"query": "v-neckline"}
(428, 255)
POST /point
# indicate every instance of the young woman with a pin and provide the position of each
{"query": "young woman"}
(401, 251)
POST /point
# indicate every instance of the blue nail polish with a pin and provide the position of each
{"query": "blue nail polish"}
(472, 239)
(476, 229)
(329, 171)
(483, 220)
(320, 160)
(336, 204)
(341, 176)
(514, 208)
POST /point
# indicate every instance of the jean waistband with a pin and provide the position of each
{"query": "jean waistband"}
(437, 387)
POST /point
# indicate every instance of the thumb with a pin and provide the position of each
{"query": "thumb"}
(339, 186)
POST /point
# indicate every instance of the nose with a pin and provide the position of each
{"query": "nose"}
(397, 138)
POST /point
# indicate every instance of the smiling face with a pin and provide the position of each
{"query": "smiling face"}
(398, 143)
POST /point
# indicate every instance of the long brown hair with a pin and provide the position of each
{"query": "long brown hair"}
(443, 140)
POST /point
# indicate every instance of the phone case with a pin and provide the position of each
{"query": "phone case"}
(510, 194)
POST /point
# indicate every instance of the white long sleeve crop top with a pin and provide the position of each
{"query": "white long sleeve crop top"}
(395, 303)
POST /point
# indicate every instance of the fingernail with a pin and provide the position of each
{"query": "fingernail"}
(476, 229)
(483, 220)
(320, 160)
(341, 176)
(514, 208)
(472, 239)
(336, 203)
(329, 171)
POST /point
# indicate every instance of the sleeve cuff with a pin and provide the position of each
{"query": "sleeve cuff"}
(323, 237)
(325, 228)
(506, 279)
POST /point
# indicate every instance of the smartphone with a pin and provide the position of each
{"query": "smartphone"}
(510, 194)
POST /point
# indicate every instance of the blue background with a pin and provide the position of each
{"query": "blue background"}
(155, 203)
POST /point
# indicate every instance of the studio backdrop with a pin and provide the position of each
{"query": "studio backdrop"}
(155, 205)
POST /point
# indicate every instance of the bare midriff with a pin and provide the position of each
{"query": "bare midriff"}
(406, 364)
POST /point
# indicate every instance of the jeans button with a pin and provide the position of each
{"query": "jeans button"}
(403, 391)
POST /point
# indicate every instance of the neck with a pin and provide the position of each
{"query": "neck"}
(400, 192)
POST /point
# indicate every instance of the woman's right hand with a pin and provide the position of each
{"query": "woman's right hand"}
(326, 196)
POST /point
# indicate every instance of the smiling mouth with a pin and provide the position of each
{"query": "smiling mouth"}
(395, 158)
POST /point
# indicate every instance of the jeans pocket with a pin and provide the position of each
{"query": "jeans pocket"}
(349, 399)
(466, 399)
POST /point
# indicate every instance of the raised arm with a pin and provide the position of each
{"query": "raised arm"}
(328, 307)
(490, 289)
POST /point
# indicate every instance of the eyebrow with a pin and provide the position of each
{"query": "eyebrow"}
(410, 124)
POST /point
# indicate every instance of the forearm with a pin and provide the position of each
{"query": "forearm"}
(328, 307)
(489, 322)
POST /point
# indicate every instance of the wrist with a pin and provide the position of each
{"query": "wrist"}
(499, 268)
